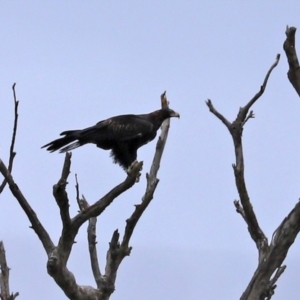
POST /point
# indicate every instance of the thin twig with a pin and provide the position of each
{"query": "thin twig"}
(250, 116)
(244, 110)
(79, 201)
(12, 153)
(239, 208)
(217, 114)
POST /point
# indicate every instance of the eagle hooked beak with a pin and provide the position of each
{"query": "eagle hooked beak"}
(175, 114)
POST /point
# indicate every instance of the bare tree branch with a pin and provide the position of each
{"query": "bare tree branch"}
(244, 110)
(58, 258)
(4, 277)
(236, 129)
(58, 255)
(250, 116)
(239, 209)
(114, 256)
(285, 235)
(12, 153)
(217, 114)
(290, 50)
(91, 232)
(118, 251)
(262, 284)
(35, 222)
(60, 194)
(97, 208)
(79, 201)
(152, 180)
(57, 269)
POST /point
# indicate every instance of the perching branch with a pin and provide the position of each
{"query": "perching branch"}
(290, 51)
(97, 208)
(4, 277)
(152, 180)
(117, 251)
(57, 262)
(12, 153)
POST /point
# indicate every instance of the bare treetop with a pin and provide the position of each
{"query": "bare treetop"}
(58, 255)
(271, 256)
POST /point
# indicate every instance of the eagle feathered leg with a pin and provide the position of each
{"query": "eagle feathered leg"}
(131, 167)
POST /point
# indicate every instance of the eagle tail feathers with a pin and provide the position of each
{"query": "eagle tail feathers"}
(69, 137)
(70, 147)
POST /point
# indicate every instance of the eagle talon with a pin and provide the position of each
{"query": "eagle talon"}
(131, 171)
(137, 179)
(131, 168)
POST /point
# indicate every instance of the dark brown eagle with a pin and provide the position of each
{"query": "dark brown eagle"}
(123, 135)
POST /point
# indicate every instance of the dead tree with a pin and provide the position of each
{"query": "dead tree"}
(270, 254)
(118, 249)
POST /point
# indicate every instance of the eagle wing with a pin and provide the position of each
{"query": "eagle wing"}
(124, 135)
(120, 129)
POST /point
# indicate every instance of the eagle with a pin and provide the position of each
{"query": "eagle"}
(123, 135)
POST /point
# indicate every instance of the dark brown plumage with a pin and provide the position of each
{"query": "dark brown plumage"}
(123, 135)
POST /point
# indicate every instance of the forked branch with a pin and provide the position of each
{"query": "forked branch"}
(236, 129)
(262, 285)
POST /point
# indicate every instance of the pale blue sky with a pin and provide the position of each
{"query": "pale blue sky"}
(78, 62)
